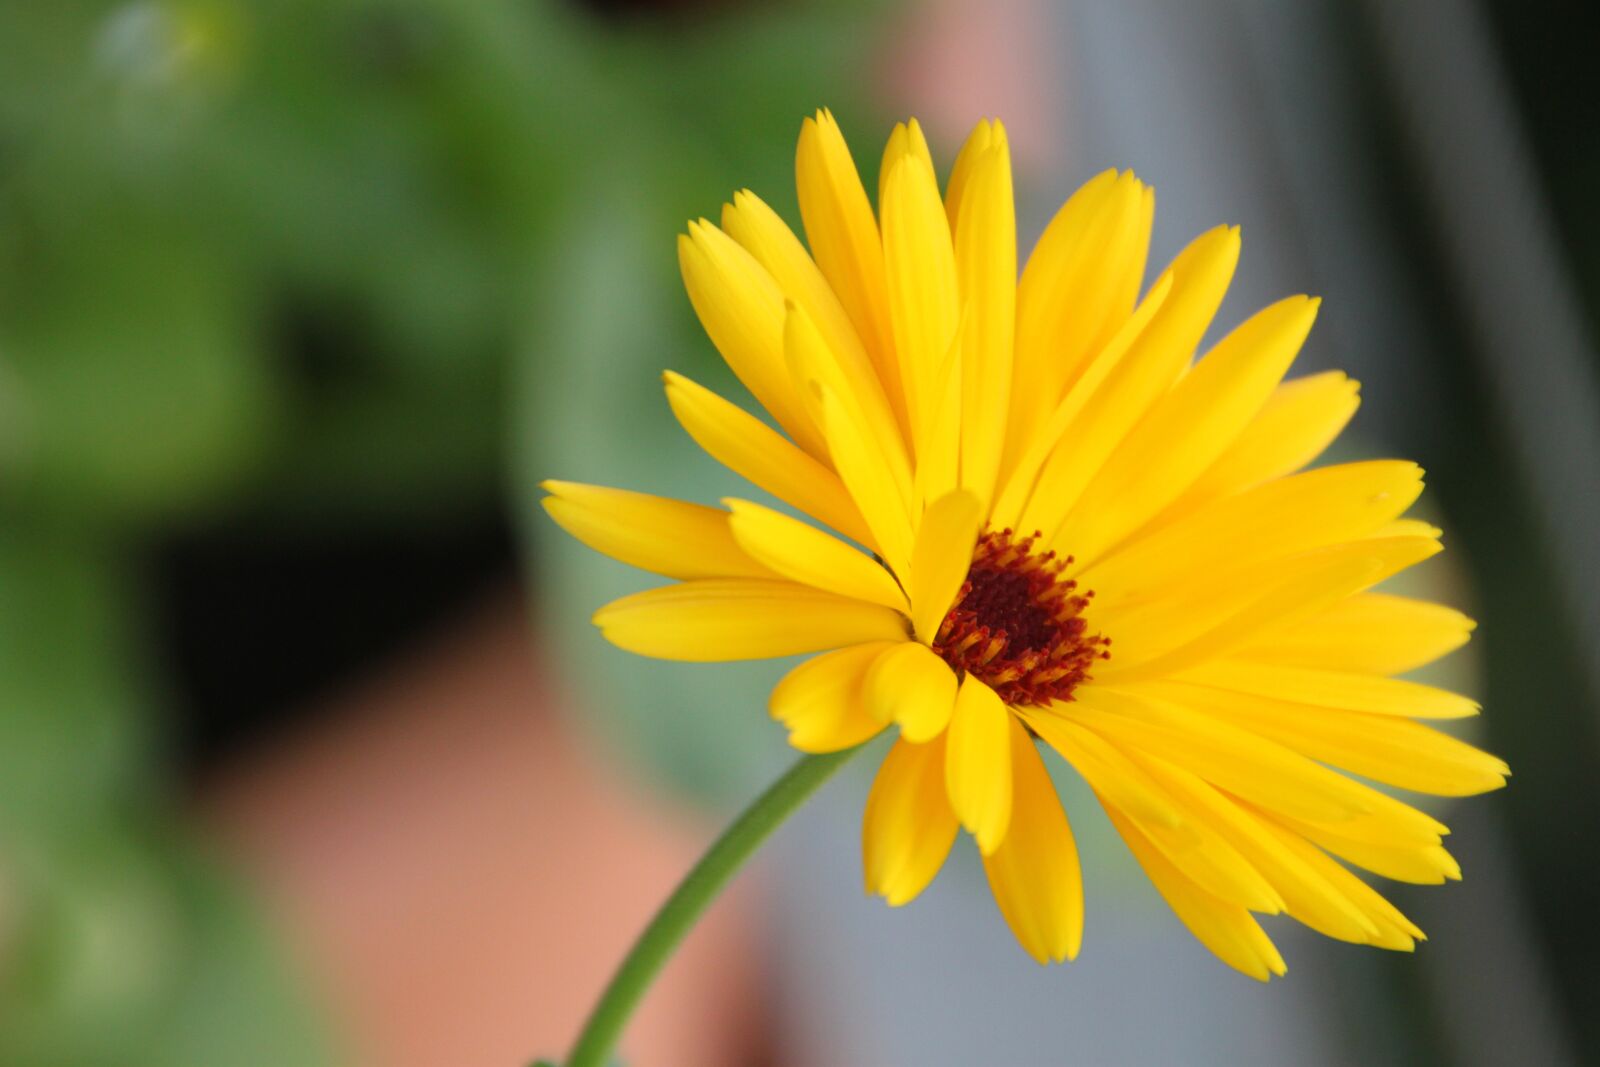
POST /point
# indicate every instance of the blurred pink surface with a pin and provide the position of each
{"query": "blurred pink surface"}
(462, 877)
(953, 62)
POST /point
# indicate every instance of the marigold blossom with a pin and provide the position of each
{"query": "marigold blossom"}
(1041, 523)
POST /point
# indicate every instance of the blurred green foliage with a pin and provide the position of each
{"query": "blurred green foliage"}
(311, 262)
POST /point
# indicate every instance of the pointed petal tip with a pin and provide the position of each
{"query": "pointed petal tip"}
(606, 613)
(898, 900)
(1048, 955)
(986, 838)
(1061, 952)
(1219, 240)
(893, 894)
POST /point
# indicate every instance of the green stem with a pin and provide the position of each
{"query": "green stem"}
(677, 916)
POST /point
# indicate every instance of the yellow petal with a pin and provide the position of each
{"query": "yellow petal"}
(817, 370)
(1319, 507)
(1195, 848)
(1384, 748)
(873, 482)
(742, 618)
(1128, 281)
(1188, 428)
(1387, 821)
(1020, 472)
(1301, 419)
(983, 136)
(1371, 633)
(844, 240)
(1154, 361)
(1213, 614)
(823, 700)
(940, 560)
(1115, 777)
(1408, 528)
(765, 236)
(1068, 298)
(906, 139)
(986, 268)
(1243, 763)
(1226, 929)
(919, 261)
(653, 533)
(909, 685)
(1034, 873)
(1306, 896)
(1387, 828)
(751, 449)
(939, 462)
(805, 554)
(1394, 930)
(978, 764)
(1418, 864)
(1333, 689)
(908, 827)
(741, 308)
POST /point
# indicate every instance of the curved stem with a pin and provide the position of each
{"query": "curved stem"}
(702, 884)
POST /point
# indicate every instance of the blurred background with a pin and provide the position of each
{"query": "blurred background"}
(308, 755)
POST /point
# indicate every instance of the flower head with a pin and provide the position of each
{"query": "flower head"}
(1038, 522)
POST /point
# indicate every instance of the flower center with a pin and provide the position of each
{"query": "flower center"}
(1018, 625)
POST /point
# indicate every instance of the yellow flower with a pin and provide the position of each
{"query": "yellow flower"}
(1050, 523)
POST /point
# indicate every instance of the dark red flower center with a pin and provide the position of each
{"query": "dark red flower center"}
(1018, 625)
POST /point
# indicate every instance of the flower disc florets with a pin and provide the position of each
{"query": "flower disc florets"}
(1018, 626)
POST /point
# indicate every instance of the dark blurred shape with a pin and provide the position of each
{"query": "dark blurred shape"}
(259, 624)
(1517, 348)
(1549, 60)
